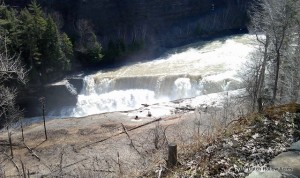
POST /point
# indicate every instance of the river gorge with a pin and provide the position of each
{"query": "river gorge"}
(193, 70)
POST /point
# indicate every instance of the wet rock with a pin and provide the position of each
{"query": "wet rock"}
(294, 147)
(30, 105)
(287, 163)
(59, 95)
(77, 83)
(266, 174)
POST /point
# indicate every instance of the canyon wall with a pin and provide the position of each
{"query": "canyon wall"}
(152, 24)
(165, 23)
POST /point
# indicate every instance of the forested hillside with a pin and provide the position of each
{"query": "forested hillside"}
(42, 45)
(142, 29)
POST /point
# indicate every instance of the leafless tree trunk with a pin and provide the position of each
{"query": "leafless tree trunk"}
(44, 119)
(11, 69)
(261, 78)
(10, 142)
(276, 20)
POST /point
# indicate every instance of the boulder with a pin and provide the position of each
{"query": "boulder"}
(288, 162)
(266, 174)
(77, 83)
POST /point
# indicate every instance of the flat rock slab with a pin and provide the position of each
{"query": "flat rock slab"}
(266, 174)
(294, 147)
(287, 163)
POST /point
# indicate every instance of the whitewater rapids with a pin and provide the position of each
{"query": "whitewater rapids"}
(193, 70)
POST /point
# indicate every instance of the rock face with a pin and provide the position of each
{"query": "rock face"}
(60, 95)
(57, 96)
(159, 22)
(285, 164)
(164, 23)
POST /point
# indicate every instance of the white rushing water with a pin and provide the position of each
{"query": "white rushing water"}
(185, 72)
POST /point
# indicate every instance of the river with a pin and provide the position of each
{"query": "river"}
(189, 71)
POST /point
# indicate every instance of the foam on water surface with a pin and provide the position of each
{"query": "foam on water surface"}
(190, 71)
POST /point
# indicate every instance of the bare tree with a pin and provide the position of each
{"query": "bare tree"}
(274, 22)
(11, 70)
(259, 25)
(85, 31)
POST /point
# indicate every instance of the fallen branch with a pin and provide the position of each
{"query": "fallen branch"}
(160, 171)
(61, 161)
(102, 140)
(131, 142)
(7, 144)
(156, 120)
(185, 109)
(31, 151)
(36, 156)
(99, 170)
(119, 164)
(23, 168)
(69, 165)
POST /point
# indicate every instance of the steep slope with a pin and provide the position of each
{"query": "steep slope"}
(165, 23)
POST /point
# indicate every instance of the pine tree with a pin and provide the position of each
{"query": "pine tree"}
(88, 46)
(50, 48)
(94, 49)
(9, 27)
(67, 51)
(35, 35)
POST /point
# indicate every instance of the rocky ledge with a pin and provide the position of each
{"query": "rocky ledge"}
(57, 95)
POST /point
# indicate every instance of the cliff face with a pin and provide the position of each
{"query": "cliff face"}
(154, 23)
(165, 23)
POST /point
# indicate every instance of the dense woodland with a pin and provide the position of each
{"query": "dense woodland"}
(35, 51)
(44, 49)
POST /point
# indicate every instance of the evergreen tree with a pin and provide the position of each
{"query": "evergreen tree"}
(45, 49)
(94, 49)
(10, 27)
(67, 51)
(42, 47)
(32, 30)
(88, 47)
(50, 48)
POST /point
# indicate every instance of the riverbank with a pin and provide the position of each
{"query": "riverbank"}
(99, 144)
(212, 141)
(92, 146)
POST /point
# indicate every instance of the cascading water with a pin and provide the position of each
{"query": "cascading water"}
(190, 71)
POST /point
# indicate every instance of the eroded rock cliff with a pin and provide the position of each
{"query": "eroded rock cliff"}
(165, 23)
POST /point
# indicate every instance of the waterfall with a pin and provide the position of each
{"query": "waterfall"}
(190, 71)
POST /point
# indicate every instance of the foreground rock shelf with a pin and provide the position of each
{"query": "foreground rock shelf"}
(285, 164)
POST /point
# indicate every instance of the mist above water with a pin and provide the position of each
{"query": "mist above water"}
(185, 72)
